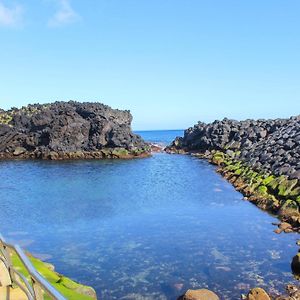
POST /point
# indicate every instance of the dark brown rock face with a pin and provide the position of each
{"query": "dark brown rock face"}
(58, 129)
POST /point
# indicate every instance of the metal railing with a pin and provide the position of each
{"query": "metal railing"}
(36, 287)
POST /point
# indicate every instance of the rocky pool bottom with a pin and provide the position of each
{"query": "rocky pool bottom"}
(144, 229)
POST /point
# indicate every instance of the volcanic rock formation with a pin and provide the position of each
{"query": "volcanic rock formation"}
(67, 130)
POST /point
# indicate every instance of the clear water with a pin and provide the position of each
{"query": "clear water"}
(145, 228)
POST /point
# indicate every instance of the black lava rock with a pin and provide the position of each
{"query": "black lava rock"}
(266, 145)
(66, 127)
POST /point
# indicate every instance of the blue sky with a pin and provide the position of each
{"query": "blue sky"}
(171, 62)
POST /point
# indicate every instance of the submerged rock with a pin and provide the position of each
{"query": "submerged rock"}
(284, 226)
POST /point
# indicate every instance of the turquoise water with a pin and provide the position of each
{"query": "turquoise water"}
(145, 228)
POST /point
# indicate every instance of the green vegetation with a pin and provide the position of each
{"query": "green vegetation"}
(120, 152)
(275, 193)
(139, 151)
(67, 287)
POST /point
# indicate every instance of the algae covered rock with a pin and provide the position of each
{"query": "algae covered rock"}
(288, 206)
(76, 287)
(286, 186)
(218, 158)
(70, 289)
(262, 189)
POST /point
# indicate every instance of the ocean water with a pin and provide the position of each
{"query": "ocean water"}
(164, 137)
(144, 228)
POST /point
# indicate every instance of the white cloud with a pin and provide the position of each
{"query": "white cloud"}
(64, 15)
(11, 16)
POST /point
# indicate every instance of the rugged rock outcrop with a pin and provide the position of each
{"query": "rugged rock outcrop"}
(261, 158)
(269, 145)
(68, 130)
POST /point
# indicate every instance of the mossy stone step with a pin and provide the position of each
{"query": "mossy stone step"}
(70, 289)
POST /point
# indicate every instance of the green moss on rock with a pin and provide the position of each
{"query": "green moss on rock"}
(289, 205)
(138, 151)
(294, 192)
(268, 179)
(285, 187)
(273, 185)
(218, 157)
(277, 194)
(238, 171)
(67, 287)
(262, 189)
(120, 152)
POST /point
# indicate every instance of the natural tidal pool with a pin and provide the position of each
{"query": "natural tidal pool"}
(145, 228)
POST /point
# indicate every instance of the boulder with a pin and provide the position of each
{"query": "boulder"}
(19, 150)
(288, 206)
(53, 155)
(296, 264)
(258, 294)
(201, 294)
(284, 226)
(295, 175)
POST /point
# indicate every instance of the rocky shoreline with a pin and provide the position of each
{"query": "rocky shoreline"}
(107, 153)
(260, 158)
(69, 130)
(292, 293)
